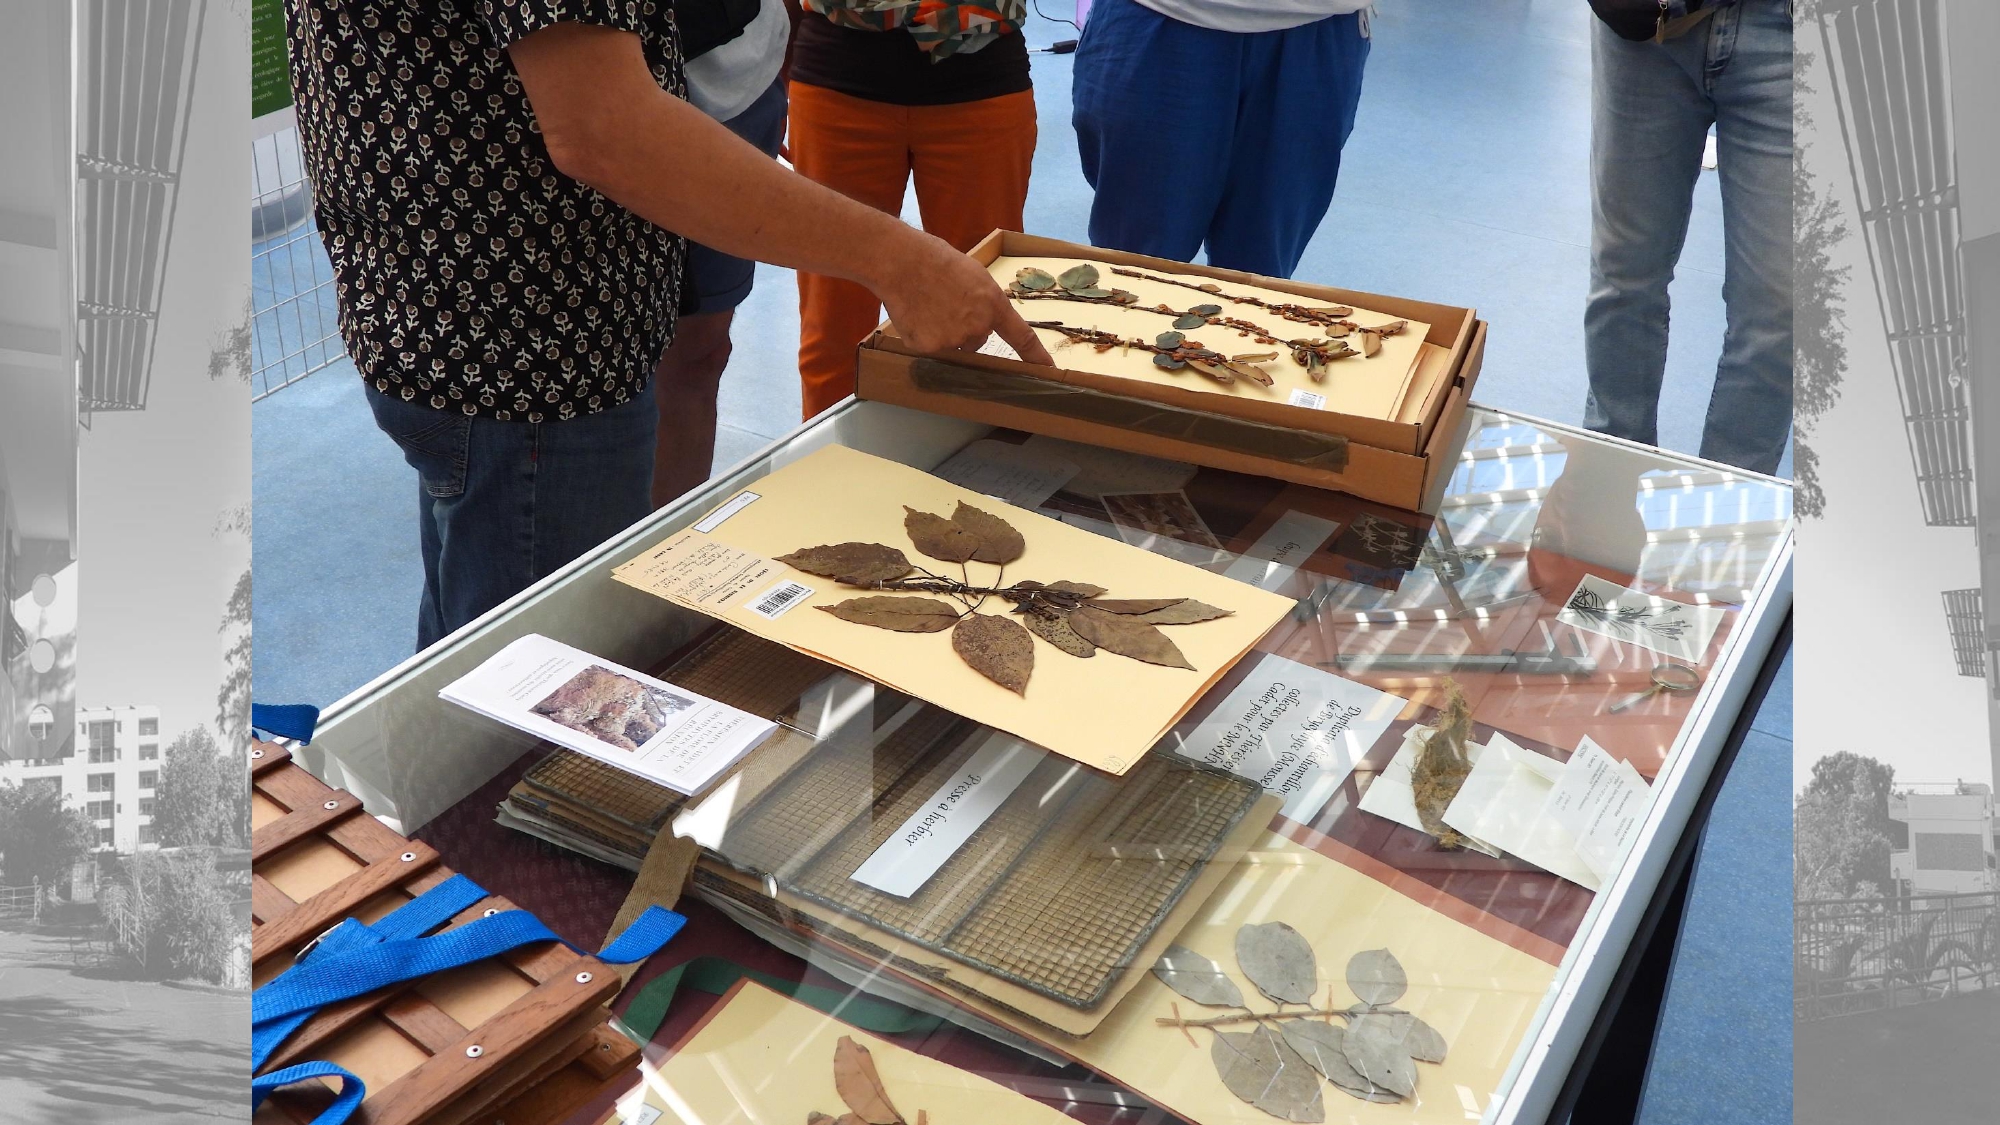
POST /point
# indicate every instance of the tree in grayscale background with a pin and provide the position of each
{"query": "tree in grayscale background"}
(1819, 329)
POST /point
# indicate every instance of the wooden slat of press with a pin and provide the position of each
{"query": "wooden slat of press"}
(312, 917)
(507, 1086)
(517, 1038)
(301, 822)
(609, 1053)
(267, 756)
(267, 903)
(427, 1025)
(555, 1098)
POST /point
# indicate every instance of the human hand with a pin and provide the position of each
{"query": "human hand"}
(942, 300)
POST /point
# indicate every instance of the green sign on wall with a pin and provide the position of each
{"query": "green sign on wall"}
(270, 78)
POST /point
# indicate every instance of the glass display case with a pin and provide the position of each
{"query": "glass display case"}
(1383, 870)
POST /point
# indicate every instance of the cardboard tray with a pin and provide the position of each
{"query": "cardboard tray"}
(1403, 462)
(537, 1013)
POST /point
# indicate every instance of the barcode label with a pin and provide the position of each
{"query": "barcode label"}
(1307, 399)
(773, 603)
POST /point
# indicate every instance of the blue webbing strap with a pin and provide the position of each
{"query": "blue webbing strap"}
(286, 720)
(353, 959)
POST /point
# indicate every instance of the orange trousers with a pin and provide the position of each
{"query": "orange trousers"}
(971, 163)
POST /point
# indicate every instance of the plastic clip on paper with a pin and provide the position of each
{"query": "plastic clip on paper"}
(354, 958)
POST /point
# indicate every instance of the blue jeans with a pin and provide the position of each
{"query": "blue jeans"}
(501, 505)
(1193, 137)
(1652, 105)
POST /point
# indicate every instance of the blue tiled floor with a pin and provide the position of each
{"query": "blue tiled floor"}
(1464, 182)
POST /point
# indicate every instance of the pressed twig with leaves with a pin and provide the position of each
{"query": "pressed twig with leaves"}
(859, 1085)
(1442, 765)
(1276, 1064)
(1074, 617)
(1628, 622)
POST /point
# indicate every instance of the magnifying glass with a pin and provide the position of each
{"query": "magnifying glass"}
(1666, 677)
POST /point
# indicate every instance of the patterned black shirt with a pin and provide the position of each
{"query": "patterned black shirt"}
(470, 273)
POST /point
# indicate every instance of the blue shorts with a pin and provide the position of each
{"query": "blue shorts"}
(721, 281)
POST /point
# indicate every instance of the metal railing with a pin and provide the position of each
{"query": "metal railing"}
(1866, 955)
(294, 326)
(18, 903)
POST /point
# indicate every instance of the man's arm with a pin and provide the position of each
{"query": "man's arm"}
(609, 125)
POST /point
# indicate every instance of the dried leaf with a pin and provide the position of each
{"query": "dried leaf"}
(1187, 611)
(855, 1079)
(1169, 339)
(1209, 287)
(997, 648)
(1186, 322)
(1246, 371)
(1262, 1069)
(1218, 374)
(1083, 276)
(1031, 278)
(999, 543)
(1171, 363)
(1084, 589)
(1424, 1042)
(1376, 977)
(815, 1117)
(1197, 978)
(856, 564)
(1380, 1059)
(1206, 310)
(1278, 961)
(1319, 1044)
(1093, 293)
(939, 537)
(1133, 605)
(1127, 637)
(1442, 766)
(1370, 342)
(901, 615)
(1057, 632)
(1390, 329)
(1333, 310)
(1254, 357)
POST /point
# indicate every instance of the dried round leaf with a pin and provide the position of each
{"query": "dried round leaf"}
(860, 1086)
(997, 648)
(1262, 1069)
(939, 537)
(1377, 977)
(1124, 298)
(1134, 605)
(1031, 278)
(1083, 276)
(1424, 1042)
(1057, 632)
(1209, 287)
(1127, 637)
(1380, 1059)
(1278, 961)
(1187, 322)
(856, 564)
(1206, 310)
(999, 543)
(1169, 339)
(1187, 611)
(901, 615)
(1197, 978)
(1319, 1044)
(1171, 363)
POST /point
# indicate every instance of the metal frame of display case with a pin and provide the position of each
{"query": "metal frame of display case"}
(458, 756)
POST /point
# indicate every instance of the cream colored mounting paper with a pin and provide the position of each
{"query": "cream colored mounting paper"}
(1104, 711)
(766, 1058)
(1478, 991)
(1366, 386)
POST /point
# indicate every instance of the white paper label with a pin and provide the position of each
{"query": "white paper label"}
(1600, 801)
(715, 519)
(1023, 477)
(779, 600)
(1292, 728)
(994, 345)
(1502, 800)
(1307, 399)
(1275, 557)
(934, 833)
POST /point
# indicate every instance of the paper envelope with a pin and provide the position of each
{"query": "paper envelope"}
(1104, 711)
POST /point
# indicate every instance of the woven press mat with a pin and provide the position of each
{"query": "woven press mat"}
(521, 1038)
(1054, 897)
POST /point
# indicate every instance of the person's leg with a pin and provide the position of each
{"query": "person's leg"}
(971, 164)
(591, 479)
(1750, 413)
(690, 372)
(860, 149)
(1154, 105)
(1648, 125)
(434, 443)
(1299, 84)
